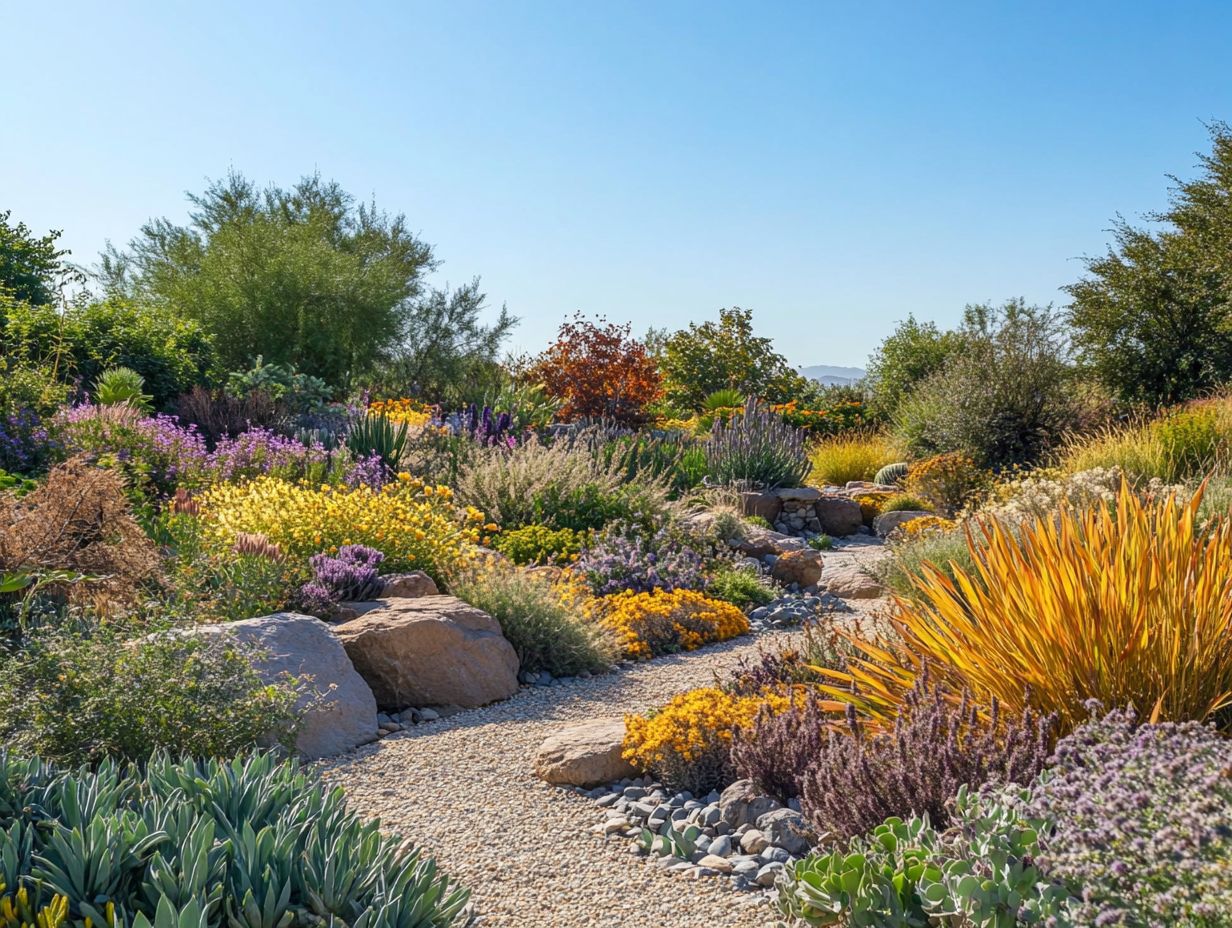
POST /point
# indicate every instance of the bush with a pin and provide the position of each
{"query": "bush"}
(687, 743)
(905, 502)
(756, 449)
(84, 698)
(851, 456)
(252, 841)
(550, 626)
(1129, 603)
(415, 525)
(743, 587)
(217, 414)
(662, 622)
(121, 385)
(628, 559)
(936, 544)
(948, 481)
(351, 575)
(538, 544)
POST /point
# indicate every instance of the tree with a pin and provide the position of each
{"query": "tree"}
(909, 355)
(1153, 318)
(31, 269)
(598, 370)
(726, 355)
(301, 276)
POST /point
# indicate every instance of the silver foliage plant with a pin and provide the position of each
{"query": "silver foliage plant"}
(757, 449)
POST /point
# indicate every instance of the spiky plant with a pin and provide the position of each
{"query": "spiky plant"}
(757, 449)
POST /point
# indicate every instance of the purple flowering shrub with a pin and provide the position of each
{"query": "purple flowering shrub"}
(351, 574)
(25, 445)
(627, 558)
(1143, 822)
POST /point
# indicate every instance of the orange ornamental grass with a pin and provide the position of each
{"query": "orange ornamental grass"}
(1128, 603)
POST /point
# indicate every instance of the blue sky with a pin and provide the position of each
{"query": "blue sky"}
(833, 166)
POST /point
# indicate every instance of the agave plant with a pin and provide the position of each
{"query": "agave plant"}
(756, 449)
(377, 435)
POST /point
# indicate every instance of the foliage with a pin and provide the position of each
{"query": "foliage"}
(25, 443)
(743, 587)
(1152, 318)
(1005, 398)
(686, 743)
(1129, 603)
(296, 276)
(549, 625)
(404, 410)
(378, 436)
(947, 481)
(820, 418)
(628, 558)
(302, 394)
(597, 370)
(663, 621)
(78, 697)
(905, 502)
(121, 385)
(1141, 815)
(350, 575)
(1040, 493)
(247, 843)
(219, 414)
(912, 353)
(821, 542)
(850, 456)
(31, 268)
(538, 544)
(892, 474)
(726, 355)
(756, 449)
(923, 545)
(660, 457)
(415, 525)
(870, 506)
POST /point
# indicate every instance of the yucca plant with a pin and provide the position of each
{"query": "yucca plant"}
(1128, 603)
(379, 435)
(756, 449)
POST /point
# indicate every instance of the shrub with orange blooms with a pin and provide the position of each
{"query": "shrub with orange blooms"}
(687, 743)
(598, 370)
(830, 419)
(412, 412)
(659, 622)
(949, 481)
(1128, 603)
(415, 525)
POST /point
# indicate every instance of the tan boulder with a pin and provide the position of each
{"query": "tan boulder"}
(408, 586)
(849, 580)
(430, 651)
(586, 754)
(802, 566)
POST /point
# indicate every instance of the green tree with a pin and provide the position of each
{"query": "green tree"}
(303, 276)
(726, 355)
(1153, 317)
(31, 268)
(908, 356)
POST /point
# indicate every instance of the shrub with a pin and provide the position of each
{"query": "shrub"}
(821, 542)
(83, 698)
(776, 749)
(687, 743)
(217, 414)
(1130, 604)
(350, 575)
(121, 385)
(414, 413)
(759, 521)
(25, 443)
(870, 506)
(415, 525)
(743, 587)
(923, 545)
(905, 502)
(627, 559)
(1041, 493)
(756, 449)
(538, 544)
(371, 435)
(850, 456)
(661, 622)
(251, 841)
(1141, 822)
(550, 626)
(948, 481)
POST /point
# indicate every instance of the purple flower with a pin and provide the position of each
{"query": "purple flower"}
(627, 559)
(351, 574)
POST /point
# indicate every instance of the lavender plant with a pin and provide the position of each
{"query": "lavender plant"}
(777, 751)
(628, 558)
(351, 574)
(756, 449)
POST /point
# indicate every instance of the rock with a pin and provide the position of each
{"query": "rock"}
(766, 505)
(714, 862)
(431, 651)
(340, 711)
(802, 567)
(584, 754)
(408, 586)
(759, 542)
(742, 804)
(768, 874)
(798, 494)
(721, 846)
(428, 715)
(753, 841)
(889, 521)
(788, 830)
(839, 516)
(849, 580)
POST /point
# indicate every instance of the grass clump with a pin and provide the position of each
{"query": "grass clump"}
(851, 456)
(741, 586)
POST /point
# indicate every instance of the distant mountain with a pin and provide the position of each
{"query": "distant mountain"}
(830, 375)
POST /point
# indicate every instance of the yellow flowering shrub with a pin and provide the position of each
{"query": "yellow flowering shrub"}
(870, 506)
(687, 743)
(416, 525)
(948, 481)
(660, 622)
(412, 412)
(926, 525)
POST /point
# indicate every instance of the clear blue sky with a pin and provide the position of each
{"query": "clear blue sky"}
(834, 166)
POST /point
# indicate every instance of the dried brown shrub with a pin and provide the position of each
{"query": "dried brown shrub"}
(78, 521)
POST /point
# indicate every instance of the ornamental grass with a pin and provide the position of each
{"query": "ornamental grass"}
(1128, 603)
(851, 456)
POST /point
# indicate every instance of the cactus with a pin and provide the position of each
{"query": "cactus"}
(892, 474)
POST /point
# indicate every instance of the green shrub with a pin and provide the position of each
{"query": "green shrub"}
(757, 449)
(547, 624)
(248, 843)
(909, 554)
(821, 542)
(850, 456)
(905, 502)
(76, 697)
(759, 521)
(121, 385)
(741, 586)
(538, 544)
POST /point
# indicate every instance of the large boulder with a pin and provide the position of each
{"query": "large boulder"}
(766, 505)
(889, 521)
(430, 651)
(850, 580)
(803, 567)
(586, 754)
(838, 515)
(408, 586)
(338, 706)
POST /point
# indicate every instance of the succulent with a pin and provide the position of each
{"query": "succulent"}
(670, 842)
(377, 435)
(756, 449)
(892, 474)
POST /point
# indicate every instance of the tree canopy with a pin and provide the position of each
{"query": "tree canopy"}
(32, 268)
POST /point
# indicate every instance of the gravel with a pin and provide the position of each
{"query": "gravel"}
(464, 790)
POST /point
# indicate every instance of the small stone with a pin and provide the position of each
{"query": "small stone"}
(714, 862)
(721, 846)
(613, 825)
(753, 841)
(429, 715)
(774, 854)
(768, 874)
(609, 799)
